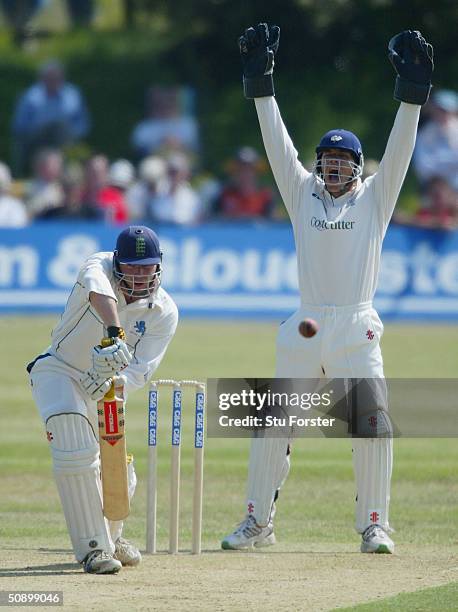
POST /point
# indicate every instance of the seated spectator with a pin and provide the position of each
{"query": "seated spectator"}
(13, 213)
(45, 191)
(243, 197)
(436, 149)
(179, 204)
(99, 191)
(51, 113)
(151, 186)
(442, 208)
(72, 206)
(167, 127)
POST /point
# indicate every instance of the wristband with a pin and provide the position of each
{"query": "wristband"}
(412, 93)
(258, 87)
(116, 332)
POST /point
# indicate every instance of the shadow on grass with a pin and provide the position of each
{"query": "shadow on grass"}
(49, 569)
(53, 569)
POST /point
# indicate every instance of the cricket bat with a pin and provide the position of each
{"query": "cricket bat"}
(113, 458)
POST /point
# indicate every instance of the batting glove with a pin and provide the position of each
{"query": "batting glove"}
(258, 47)
(412, 58)
(109, 360)
(95, 385)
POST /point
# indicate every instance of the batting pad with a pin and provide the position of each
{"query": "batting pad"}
(75, 454)
(116, 526)
(268, 469)
(373, 464)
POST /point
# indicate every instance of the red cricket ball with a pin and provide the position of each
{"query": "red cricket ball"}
(308, 328)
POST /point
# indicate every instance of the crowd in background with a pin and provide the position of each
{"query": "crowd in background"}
(163, 181)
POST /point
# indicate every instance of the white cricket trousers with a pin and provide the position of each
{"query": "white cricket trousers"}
(347, 345)
(70, 419)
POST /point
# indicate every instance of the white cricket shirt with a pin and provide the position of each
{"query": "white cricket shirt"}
(148, 330)
(338, 240)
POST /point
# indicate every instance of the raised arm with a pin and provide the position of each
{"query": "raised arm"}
(412, 58)
(258, 46)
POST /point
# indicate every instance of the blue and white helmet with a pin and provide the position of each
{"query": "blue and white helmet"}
(138, 245)
(346, 141)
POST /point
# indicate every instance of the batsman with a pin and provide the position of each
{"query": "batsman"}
(339, 222)
(115, 328)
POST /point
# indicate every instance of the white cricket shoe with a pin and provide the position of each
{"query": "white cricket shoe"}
(249, 534)
(376, 540)
(100, 562)
(126, 552)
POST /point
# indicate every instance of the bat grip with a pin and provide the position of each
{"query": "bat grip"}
(110, 394)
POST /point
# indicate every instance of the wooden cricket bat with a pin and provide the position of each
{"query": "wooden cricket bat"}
(113, 458)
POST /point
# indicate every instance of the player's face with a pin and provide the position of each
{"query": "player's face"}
(138, 281)
(337, 168)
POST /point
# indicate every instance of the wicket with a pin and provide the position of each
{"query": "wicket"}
(151, 500)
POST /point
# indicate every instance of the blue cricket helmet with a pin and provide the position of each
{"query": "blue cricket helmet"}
(341, 139)
(138, 244)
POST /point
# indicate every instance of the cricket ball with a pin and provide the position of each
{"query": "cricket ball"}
(308, 328)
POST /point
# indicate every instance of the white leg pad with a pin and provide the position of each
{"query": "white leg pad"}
(373, 464)
(116, 526)
(75, 455)
(268, 469)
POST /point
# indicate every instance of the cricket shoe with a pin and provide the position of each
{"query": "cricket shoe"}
(100, 562)
(126, 552)
(376, 540)
(249, 534)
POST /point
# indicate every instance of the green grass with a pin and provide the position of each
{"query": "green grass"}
(438, 599)
(316, 505)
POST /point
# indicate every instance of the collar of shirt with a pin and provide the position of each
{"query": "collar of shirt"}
(142, 303)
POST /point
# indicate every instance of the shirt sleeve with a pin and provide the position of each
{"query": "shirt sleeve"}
(95, 277)
(388, 180)
(288, 171)
(149, 351)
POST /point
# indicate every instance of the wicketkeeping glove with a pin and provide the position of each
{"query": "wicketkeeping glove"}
(412, 58)
(95, 385)
(109, 360)
(258, 47)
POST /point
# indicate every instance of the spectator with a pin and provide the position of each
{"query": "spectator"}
(167, 127)
(180, 203)
(442, 208)
(44, 191)
(151, 186)
(72, 206)
(99, 191)
(12, 211)
(50, 113)
(436, 150)
(243, 197)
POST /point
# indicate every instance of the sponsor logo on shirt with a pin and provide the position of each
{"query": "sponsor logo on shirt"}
(324, 224)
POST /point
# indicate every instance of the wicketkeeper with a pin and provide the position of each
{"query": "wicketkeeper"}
(117, 295)
(339, 223)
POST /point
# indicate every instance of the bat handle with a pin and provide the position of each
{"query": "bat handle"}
(110, 394)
